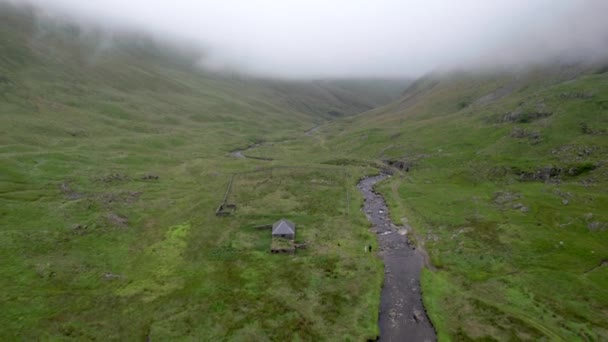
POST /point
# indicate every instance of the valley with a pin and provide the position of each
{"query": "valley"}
(113, 162)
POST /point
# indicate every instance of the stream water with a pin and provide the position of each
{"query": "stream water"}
(402, 315)
(312, 130)
(239, 153)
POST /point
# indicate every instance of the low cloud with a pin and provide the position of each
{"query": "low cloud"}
(361, 38)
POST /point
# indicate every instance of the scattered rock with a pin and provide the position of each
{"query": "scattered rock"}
(120, 197)
(69, 193)
(117, 220)
(591, 130)
(596, 226)
(432, 237)
(402, 165)
(504, 197)
(418, 316)
(576, 95)
(565, 201)
(45, 271)
(552, 173)
(523, 117)
(77, 227)
(542, 174)
(114, 177)
(523, 133)
(77, 133)
(111, 276)
(150, 176)
(517, 206)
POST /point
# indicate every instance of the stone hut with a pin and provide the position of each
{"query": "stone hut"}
(284, 229)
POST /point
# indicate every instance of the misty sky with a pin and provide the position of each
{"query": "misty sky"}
(382, 38)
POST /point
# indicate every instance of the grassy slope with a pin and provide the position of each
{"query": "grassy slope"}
(90, 250)
(502, 273)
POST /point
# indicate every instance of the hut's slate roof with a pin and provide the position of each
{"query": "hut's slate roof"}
(283, 226)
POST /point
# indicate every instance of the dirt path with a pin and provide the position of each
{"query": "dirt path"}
(402, 315)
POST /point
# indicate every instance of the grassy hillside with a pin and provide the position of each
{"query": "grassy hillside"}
(114, 155)
(506, 190)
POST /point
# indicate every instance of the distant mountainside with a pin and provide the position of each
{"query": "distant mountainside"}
(43, 57)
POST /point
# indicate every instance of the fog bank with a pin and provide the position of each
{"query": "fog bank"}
(357, 38)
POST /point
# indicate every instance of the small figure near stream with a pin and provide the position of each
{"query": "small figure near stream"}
(402, 315)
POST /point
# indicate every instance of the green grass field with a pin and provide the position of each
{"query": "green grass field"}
(113, 162)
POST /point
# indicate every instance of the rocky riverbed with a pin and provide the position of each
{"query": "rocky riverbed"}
(402, 315)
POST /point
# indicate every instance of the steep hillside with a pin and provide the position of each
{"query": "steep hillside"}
(47, 59)
(505, 191)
